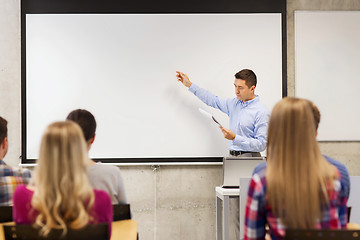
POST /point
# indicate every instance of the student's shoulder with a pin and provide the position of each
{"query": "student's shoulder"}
(259, 175)
(100, 167)
(339, 165)
(100, 193)
(260, 169)
(6, 170)
(22, 194)
(22, 188)
(102, 197)
(333, 161)
(24, 173)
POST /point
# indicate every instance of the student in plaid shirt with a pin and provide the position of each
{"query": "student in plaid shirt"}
(297, 188)
(10, 178)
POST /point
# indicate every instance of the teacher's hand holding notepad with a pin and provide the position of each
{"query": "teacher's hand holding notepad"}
(228, 134)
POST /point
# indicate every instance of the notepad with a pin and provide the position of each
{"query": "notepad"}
(208, 115)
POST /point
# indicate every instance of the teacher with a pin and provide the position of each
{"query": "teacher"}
(248, 117)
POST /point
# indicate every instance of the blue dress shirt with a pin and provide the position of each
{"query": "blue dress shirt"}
(248, 120)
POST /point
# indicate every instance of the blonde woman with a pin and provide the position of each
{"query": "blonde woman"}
(62, 197)
(297, 188)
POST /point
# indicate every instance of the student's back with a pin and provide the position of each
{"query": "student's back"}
(10, 177)
(22, 206)
(104, 177)
(62, 196)
(344, 173)
(296, 188)
(334, 216)
(107, 178)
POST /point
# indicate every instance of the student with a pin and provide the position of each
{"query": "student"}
(297, 188)
(104, 177)
(62, 196)
(10, 177)
(345, 178)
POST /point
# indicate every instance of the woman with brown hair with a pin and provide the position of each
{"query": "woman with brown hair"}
(297, 188)
(62, 197)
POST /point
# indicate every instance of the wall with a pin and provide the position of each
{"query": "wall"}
(184, 196)
(346, 152)
(10, 108)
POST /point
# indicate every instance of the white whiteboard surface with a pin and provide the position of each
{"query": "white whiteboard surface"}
(122, 69)
(327, 69)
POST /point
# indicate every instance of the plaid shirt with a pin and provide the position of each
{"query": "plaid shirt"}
(10, 178)
(258, 213)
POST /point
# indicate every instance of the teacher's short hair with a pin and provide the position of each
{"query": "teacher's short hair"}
(247, 75)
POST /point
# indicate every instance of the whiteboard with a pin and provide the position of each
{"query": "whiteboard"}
(121, 67)
(327, 69)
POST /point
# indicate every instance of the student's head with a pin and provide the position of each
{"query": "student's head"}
(297, 174)
(245, 83)
(61, 180)
(3, 138)
(316, 113)
(291, 125)
(87, 123)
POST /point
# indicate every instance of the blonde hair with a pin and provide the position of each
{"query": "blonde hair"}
(298, 177)
(63, 196)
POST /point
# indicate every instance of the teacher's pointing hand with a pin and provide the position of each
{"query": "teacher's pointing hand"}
(183, 78)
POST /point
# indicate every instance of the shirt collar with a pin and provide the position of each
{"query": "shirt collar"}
(2, 162)
(247, 103)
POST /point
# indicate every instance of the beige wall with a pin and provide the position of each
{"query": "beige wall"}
(184, 195)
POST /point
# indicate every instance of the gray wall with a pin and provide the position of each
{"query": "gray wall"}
(184, 196)
(346, 152)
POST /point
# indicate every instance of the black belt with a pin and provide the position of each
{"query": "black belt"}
(237, 153)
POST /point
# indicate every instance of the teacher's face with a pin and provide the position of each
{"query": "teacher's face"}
(242, 91)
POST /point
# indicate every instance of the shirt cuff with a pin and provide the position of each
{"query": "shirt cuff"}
(193, 88)
(237, 140)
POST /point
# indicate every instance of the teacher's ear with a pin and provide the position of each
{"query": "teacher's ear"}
(252, 88)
